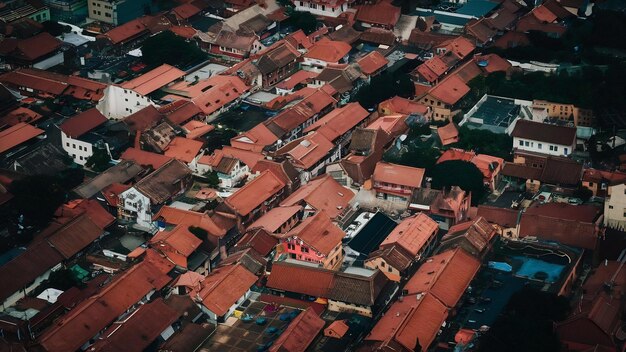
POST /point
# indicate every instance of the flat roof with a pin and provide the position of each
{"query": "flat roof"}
(497, 111)
(372, 234)
(477, 8)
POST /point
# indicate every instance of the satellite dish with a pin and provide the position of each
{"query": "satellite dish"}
(403, 137)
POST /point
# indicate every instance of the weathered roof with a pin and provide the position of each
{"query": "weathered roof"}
(162, 184)
(412, 234)
(398, 174)
(300, 333)
(302, 279)
(478, 233)
(318, 232)
(154, 79)
(274, 219)
(543, 132)
(145, 158)
(223, 287)
(16, 135)
(254, 193)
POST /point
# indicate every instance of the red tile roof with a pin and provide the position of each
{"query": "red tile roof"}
(372, 62)
(448, 134)
(399, 105)
(381, 13)
(543, 132)
(501, 216)
(339, 121)
(398, 174)
(478, 233)
(249, 158)
(254, 193)
(412, 234)
(177, 244)
(223, 287)
(299, 77)
(21, 114)
(185, 11)
(183, 149)
(412, 323)
(300, 333)
(143, 157)
(196, 129)
(38, 80)
(16, 135)
(30, 49)
(307, 151)
(543, 14)
(450, 90)
(291, 118)
(89, 317)
(126, 31)
(143, 119)
(432, 69)
(274, 219)
(307, 280)
(82, 123)
(140, 329)
(446, 276)
(258, 239)
(319, 232)
(191, 218)
(154, 79)
(328, 50)
(322, 194)
(112, 192)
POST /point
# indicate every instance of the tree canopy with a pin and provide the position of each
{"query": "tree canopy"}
(384, 86)
(99, 161)
(302, 20)
(485, 142)
(168, 48)
(458, 173)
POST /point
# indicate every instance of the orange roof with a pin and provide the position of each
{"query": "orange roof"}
(126, 31)
(319, 232)
(336, 329)
(183, 149)
(450, 90)
(177, 244)
(186, 32)
(112, 192)
(380, 13)
(460, 46)
(339, 121)
(328, 50)
(92, 315)
(448, 134)
(143, 157)
(82, 123)
(543, 14)
(399, 105)
(255, 139)
(456, 154)
(307, 151)
(398, 174)
(196, 129)
(323, 194)
(16, 135)
(154, 79)
(412, 233)
(446, 276)
(276, 218)
(410, 322)
(432, 69)
(372, 62)
(487, 164)
(393, 125)
(224, 287)
(298, 77)
(186, 11)
(300, 333)
(21, 114)
(190, 218)
(209, 87)
(254, 193)
(249, 158)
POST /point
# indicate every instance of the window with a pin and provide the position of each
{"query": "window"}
(624, 213)
(539, 145)
(382, 264)
(290, 246)
(521, 143)
(106, 14)
(610, 207)
(67, 144)
(301, 3)
(565, 151)
(390, 269)
(305, 250)
(74, 145)
(81, 157)
(526, 143)
(323, 7)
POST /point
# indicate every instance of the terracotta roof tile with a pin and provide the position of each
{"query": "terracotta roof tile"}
(307, 151)
(254, 193)
(154, 79)
(191, 218)
(412, 234)
(380, 13)
(328, 51)
(302, 279)
(448, 134)
(144, 158)
(323, 194)
(16, 135)
(398, 174)
(450, 90)
(223, 287)
(274, 219)
(372, 62)
(318, 232)
(183, 149)
(258, 239)
(300, 333)
(82, 123)
(177, 244)
(339, 121)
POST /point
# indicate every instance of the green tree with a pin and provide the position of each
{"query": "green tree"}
(55, 28)
(485, 142)
(36, 198)
(458, 173)
(99, 160)
(212, 178)
(199, 232)
(301, 20)
(166, 47)
(383, 87)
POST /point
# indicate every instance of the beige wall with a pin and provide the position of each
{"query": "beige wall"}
(101, 11)
(615, 207)
(379, 263)
(336, 306)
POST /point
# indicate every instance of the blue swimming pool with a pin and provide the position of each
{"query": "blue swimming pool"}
(531, 266)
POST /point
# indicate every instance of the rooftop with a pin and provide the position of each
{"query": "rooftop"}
(154, 79)
(322, 194)
(412, 234)
(82, 123)
(16, 135)
(254, 193)
(542, 132)
(398, 175)
(319, 232)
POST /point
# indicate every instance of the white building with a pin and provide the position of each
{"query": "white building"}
(76, 138)
(615, 207)
(322, 8)
(537, 137)
(230, 171)
(117, 102)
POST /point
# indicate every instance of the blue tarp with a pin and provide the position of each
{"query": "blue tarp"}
(501, 266)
